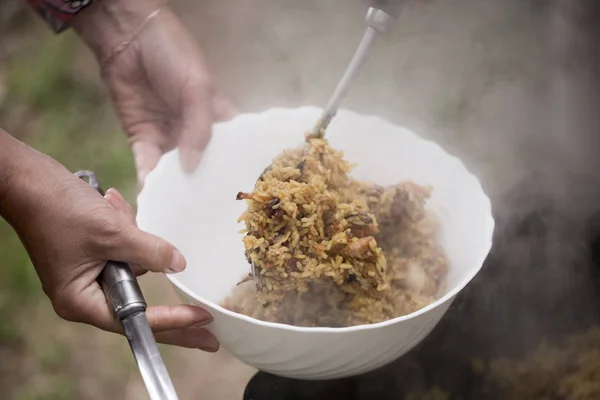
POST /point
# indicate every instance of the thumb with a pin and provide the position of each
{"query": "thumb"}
(148, 251)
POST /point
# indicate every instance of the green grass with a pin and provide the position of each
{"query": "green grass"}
(78, 128)
(40, 78)
(61, 388)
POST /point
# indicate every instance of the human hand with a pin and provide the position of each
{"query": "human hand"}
(159, 83)
(70, 231)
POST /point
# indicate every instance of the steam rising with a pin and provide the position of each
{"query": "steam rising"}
(513, 88)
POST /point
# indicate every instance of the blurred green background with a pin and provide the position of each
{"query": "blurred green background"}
(51, 98)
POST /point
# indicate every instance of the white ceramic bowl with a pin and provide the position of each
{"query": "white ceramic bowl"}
(199, 214)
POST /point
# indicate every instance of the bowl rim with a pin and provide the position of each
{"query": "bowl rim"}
(489, 229)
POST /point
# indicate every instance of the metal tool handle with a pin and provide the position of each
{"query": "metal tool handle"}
(128, 306)
(118, 282)
(379, 21)
(390, 7)
(124, 296)
(122, 290)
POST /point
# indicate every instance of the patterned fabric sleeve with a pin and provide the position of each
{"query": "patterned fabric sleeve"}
(58, 13)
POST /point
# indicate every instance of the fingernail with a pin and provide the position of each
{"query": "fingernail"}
(211, 345)
(190, 159)
(177, 262)
(115, 199)
(203, 322)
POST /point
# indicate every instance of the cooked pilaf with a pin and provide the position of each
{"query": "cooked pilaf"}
(328, 250)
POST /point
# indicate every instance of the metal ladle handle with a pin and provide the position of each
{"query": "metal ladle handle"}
(127, 303)
(379, 20)
(122, 290)
(118, 282)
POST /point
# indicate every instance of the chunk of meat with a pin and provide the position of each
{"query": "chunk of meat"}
(375, 191)
(408, 202)
(362, 224)
(273, 209)
(361, 248)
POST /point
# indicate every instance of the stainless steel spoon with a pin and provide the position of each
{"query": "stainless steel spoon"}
(380, 17)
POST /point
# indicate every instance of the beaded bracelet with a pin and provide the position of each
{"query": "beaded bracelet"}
(58, 13)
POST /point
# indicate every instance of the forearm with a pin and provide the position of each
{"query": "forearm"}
(24, 181)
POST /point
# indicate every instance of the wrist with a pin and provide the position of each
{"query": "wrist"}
(107, 24)
(27, 177)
